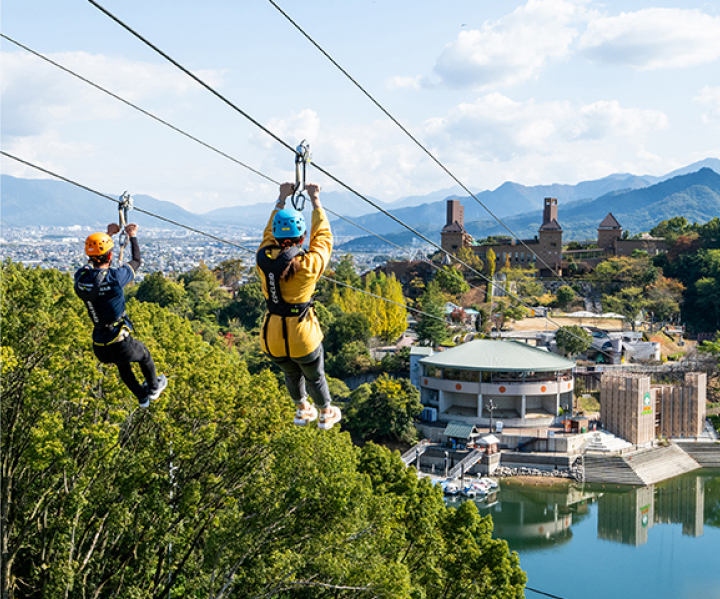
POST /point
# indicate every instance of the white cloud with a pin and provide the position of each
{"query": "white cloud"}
(495, 127)
(653, 38)
(484, 143)
(37, 96)
(600, 120)
(709, 98)
(47, 150)
(404, 82)
(514, 48)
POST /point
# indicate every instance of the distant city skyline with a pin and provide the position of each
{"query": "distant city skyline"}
(535, 92)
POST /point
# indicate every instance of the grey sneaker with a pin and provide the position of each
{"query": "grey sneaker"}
(152, 396)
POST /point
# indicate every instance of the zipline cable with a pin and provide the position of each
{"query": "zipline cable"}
(193, 76)
(450, 271)
(194, 138)
(183, 69)
(281, 141)
(542, 593)
(203, 233)
(411, 136)
(112, 199)
(295, 152)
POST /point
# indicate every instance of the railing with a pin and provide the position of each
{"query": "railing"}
(414, 452)
(468, 462)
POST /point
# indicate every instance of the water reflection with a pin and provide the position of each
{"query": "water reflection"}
(595, 542)
(535, 518)
(628, 518)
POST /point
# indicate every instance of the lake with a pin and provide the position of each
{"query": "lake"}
(595, 542)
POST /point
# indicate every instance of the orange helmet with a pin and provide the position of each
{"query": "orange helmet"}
(98, 244)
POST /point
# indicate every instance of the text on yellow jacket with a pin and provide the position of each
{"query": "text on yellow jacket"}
(304, 336)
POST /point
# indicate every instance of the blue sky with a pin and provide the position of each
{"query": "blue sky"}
(535, 92)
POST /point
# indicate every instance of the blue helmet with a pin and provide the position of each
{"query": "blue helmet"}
(288, 224)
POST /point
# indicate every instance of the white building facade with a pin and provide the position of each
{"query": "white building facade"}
(508, 381)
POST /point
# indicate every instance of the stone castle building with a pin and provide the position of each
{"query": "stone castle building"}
(545, 250)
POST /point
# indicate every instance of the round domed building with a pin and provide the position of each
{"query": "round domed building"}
(509, 381)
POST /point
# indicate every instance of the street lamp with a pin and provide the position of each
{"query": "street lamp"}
(491, 408)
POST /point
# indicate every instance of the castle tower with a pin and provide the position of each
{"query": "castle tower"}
(609, 231)
(550, 240)
(453, 235)
(550, 210)
(455, 213)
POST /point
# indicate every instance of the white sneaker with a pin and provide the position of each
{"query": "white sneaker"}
(303, 416)
(162, 383)
(327, 421)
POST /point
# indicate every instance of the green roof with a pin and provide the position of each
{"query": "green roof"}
(459, 430)
(498, 356)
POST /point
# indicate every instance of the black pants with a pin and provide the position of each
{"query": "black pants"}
(122, 354)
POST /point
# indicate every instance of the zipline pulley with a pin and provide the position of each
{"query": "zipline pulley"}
(302, 158)
(125, 205)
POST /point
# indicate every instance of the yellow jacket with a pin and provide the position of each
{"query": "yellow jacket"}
(303, 336)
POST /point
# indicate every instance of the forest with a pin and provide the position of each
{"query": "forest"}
(211, 492)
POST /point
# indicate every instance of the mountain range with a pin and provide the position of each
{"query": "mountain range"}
(638, 202)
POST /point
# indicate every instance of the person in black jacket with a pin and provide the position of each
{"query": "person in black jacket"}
(101, 288)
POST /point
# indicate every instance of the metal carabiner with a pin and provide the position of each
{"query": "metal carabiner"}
(302, 157)
(124, 206)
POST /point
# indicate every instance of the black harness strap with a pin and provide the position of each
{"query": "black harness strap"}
(87, 289)
(272, 269)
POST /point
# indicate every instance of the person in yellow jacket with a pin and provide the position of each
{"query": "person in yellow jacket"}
(291, 334)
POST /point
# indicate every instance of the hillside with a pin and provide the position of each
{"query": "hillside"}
(48, 203)
(41, 202)
(214, 469)
(696, 196)
(520, 207)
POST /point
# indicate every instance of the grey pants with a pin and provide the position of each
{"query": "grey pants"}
(310, 369)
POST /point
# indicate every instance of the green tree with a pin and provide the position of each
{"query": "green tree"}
(526, 284)
(614, 274)
(572, 340)
(564, 296)
(664, 297)
(469, 257)
(671, 229)
(159, 290)
(507, 311)
(345, 271)
(491, 261)
(230, 272)
(396, 362)
(204, 295)
(350, 360)
(628, 302)
(347, 328)
(395, 310)
(247, 307)
(431, 325)
(451, 280)
(384, 410)
(440, 547)
(95, 492)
